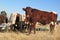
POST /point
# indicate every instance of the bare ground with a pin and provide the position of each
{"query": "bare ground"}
(40, 35)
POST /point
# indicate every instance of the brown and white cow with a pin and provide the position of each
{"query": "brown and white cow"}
(44, 17)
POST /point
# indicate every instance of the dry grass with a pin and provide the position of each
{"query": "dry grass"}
(40, 35)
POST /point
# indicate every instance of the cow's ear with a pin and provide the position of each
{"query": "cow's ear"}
(24, 9)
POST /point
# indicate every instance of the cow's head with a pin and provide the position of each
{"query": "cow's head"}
(28, 11)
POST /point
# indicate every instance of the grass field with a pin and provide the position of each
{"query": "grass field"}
(40, 35)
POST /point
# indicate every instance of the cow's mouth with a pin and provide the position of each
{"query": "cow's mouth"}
(27, 16)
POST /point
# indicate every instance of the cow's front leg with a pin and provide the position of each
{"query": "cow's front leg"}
(34, 29)
(29, 28)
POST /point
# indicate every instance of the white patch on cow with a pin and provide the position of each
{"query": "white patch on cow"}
(27, 22)
(54, 12)
(52, 23)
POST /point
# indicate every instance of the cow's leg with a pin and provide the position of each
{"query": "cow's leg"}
(33, 25)
(30, 28)
(52, 26)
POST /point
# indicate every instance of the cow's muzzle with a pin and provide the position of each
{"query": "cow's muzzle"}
(27, 16)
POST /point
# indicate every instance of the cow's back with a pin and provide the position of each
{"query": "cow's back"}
(43, 17)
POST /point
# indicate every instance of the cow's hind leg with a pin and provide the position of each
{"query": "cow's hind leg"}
(52, 26)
